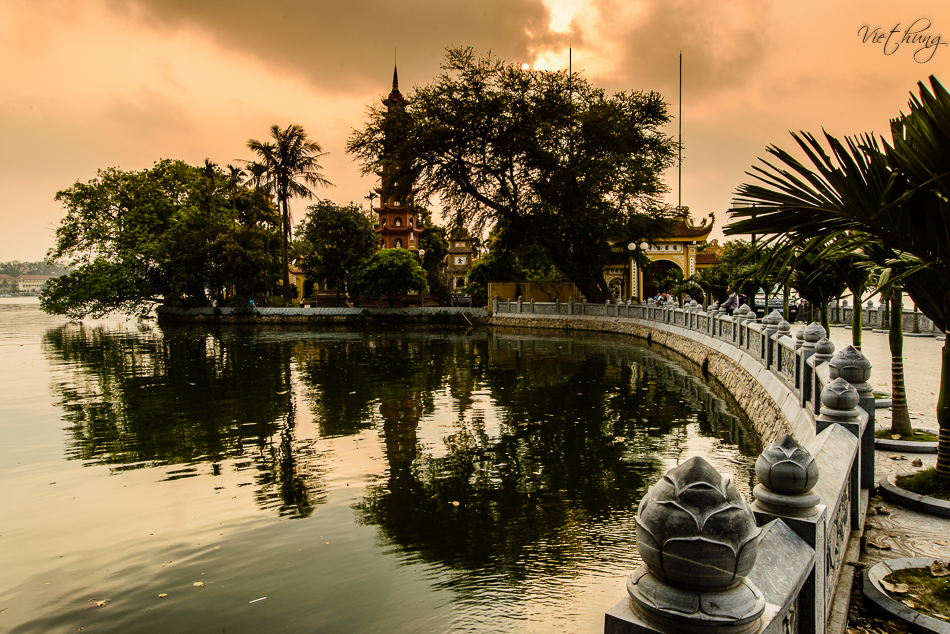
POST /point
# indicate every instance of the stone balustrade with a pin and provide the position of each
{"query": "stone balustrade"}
(712, 562)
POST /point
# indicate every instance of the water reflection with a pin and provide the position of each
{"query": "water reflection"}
(583, 429)
(505, 453)
(185, 398)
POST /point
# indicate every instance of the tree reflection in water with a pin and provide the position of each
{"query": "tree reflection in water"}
(584, 429)
(186, 397)
(544, 444)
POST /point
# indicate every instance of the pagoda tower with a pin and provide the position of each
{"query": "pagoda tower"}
(397, 225)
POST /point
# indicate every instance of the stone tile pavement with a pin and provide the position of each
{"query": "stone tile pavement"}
(901, 532)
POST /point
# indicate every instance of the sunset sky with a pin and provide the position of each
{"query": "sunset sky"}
(89, 84)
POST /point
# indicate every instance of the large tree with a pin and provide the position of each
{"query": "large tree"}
(135, 239)
(336, 240)
(893, 199)
(389, 273)
(544, 156)
(290, 164)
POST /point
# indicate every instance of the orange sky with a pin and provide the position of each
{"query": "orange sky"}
(102, 83)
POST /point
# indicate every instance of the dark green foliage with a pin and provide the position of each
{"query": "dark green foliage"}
(289, 166)
(390, 272)
(433, 241)
(336, 240)
(891, 204)
(508, 261)
(544, 156)
(161, 235)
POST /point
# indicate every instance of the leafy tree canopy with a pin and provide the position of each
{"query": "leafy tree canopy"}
(506, 260)
(545, 156)
(890, 202)
(390, 272)
(336, 240)
(287, 166)
(160, 235)
(15, 268)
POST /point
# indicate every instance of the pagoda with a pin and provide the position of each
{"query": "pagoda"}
(397, 225)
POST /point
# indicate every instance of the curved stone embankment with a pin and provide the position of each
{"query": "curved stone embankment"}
(441, 316)
(753, 387)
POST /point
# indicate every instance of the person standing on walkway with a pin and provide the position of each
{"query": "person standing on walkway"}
(732, 302)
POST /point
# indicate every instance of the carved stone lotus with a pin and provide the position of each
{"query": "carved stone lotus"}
(839, 395)
(814, 332)
(825, 347)
(786, 467)
(695, 530)
(849, 364)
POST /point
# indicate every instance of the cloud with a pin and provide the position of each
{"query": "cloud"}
(723, 44)
(344, 45)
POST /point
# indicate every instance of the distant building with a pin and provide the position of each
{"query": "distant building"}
(397, 225)
(681, 250)
(32, 284)
(459, 261)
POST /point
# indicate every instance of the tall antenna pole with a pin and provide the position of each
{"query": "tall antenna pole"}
(680, 177)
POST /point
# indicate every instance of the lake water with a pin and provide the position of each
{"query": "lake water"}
(186, 479)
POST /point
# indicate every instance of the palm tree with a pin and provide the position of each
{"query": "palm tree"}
(896, 199)
(291, 167)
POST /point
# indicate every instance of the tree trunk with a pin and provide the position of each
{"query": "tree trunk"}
(900, 417)
(856, 327)
(856, 321)
(943, 416)
(284, 235)
(823, 316)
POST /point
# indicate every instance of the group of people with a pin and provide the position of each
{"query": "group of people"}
(661, 298)
(731, 302)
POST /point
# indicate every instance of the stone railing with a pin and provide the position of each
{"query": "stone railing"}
(872, 316)
(711, 561)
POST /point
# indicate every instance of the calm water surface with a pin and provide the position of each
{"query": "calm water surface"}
(331, 481)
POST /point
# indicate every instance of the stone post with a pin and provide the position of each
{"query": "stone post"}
(852, 366)
(583, 305)
(783, 329)
(787, 475)
(839, 405)
(519, 304)
(698, 541)
(771, 322)
(824, 350)
(531, 305)
(557, 305)
(811, 335)
(570, 305)
(494, 304)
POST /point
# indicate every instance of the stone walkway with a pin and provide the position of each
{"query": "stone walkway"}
(902, 532)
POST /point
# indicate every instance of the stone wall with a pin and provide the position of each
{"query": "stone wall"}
(795, 394)
(749, 390)
(456, 316)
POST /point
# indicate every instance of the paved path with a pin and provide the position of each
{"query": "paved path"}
(903, 533)
(921, 370)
